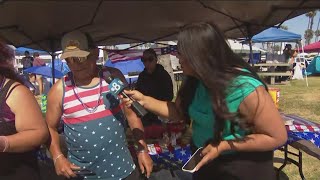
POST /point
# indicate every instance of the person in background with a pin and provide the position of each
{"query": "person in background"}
(27, 62)
(287, 53)
(38, 62)
(233, 116)
(22, 128)
(156, 82)
(93, 119)
(292, 62)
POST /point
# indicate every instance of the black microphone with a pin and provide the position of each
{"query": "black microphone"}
(116, 86)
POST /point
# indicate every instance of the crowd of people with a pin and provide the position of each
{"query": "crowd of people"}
(29, 61)
(228, 106)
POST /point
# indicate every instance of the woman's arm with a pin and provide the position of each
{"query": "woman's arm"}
(269, 129)
(165, 109)
(53, 116)
(32, 130)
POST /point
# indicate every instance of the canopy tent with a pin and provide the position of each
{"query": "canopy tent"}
(133, 54)
(44, 71)
(127, 66)
(21, 50)
(60, 66)
(314, 47)
(139, 21)
(314, 66)
(239, 47)
(276, 35)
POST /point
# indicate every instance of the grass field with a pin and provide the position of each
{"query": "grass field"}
(297, 98)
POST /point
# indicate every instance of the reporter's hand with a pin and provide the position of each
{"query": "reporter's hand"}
(65, 168)
(209, 153)
(134, 94)
(145, 163)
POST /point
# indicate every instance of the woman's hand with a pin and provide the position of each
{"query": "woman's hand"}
(208, 153)
(136, 95)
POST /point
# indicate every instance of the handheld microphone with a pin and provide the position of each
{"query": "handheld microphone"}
(116, 87)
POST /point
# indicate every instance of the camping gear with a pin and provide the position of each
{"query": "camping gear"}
(275, 95)
(314, 66)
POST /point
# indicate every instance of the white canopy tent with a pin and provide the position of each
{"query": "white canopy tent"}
(239, 47)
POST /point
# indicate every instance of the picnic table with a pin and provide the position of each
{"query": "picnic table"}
(271, 70)
(304, 136)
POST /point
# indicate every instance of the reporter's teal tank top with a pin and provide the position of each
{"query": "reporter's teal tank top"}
(203, 119)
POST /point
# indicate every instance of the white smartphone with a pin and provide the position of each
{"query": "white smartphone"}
(190, 165)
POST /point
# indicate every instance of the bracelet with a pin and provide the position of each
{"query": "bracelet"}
(55, 159)
(6, 144)
(142, 151)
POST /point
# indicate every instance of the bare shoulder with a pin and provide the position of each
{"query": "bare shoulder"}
(56, 91)
(19, 91)
(19, 97)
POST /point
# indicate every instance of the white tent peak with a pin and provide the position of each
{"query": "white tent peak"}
(237, 46)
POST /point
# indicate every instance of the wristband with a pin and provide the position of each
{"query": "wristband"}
(6, 143)
(55, 159)
(142, 151)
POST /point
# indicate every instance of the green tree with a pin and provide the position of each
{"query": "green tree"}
(317, 32)
(308, 35)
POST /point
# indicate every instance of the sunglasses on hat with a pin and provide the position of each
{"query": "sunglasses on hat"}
(76, 59)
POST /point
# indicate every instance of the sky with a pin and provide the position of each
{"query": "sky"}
(296, 25)
(300, 23)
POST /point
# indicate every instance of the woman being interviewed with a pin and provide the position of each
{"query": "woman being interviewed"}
(233, 116)
(22, 128)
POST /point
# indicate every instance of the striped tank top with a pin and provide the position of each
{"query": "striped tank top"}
(95, 138)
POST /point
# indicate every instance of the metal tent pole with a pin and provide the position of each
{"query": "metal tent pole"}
(305, 69)
(52, 60)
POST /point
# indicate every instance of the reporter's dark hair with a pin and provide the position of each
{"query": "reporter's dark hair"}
(205, 49)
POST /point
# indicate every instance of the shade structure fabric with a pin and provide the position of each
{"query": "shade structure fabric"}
(276, 35)
(40, 24)
(127, 66)
(133, 54)
(314, 47)
(44, 71)
(314, 66)
(22, 50)
(60, 66)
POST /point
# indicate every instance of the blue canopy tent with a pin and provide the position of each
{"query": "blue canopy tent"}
(126, 67)
(276, 35)
(60, 66)
(314, 66)
(44, 71)
(21, 50)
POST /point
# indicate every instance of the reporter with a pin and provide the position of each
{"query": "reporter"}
(234, 118)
